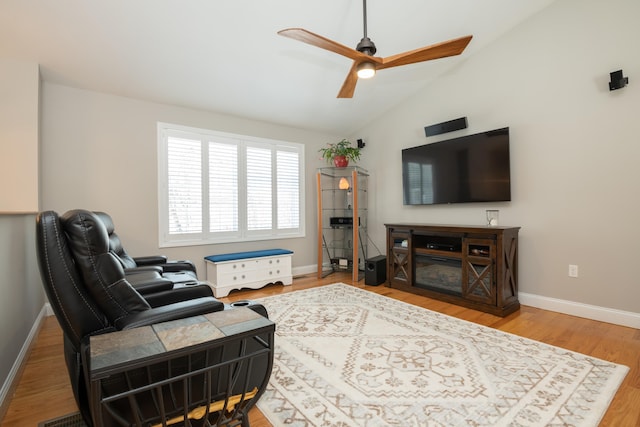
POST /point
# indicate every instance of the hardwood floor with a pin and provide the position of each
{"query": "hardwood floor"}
(43, 391)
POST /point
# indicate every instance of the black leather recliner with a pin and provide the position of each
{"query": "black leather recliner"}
(90, 295)
(174, 271)
(150, 274)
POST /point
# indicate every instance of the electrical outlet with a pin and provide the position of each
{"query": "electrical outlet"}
(573, 270)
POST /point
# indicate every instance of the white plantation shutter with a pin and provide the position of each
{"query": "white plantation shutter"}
(223, 180)
(216, 187)
(288, 189)
(185, 186)
(259, 189)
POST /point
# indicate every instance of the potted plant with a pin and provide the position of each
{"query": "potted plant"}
(340, 153)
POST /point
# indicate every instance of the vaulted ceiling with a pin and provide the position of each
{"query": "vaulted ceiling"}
(225, 55)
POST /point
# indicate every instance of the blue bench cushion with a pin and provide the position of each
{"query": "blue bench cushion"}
(249, 254)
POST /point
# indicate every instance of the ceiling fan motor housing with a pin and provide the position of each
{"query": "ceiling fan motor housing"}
(366, 46)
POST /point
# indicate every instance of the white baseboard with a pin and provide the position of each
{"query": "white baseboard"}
(10, 382)
(593, 312)
(301, 271)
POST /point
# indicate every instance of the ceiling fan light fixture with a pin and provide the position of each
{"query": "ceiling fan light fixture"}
(364, 63)
(366, 70)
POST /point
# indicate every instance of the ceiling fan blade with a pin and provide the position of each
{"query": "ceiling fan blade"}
(439, 50)
(349, 85)
(313, 39)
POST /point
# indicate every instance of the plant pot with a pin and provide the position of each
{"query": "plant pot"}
(340, 161)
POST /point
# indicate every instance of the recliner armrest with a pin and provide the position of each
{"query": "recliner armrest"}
(150, 260)
(178, 293)
(144, 269)
(165, 313)
(145, 287)
(175, 266)
(147, 280)
(160, 261)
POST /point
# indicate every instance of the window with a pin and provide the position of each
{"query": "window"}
(217, 187)
(419, 181)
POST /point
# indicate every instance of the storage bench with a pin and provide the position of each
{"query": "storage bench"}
(253, 270)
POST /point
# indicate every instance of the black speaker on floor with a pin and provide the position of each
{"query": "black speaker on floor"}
(375, 271)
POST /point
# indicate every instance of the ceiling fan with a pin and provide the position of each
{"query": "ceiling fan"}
(365, 64)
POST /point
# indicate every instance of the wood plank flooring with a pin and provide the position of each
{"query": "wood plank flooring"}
(43, 391)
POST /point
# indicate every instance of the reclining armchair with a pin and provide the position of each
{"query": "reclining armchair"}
(90, 296)
(174, 271)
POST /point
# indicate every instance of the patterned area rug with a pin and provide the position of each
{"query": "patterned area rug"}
(348, 357)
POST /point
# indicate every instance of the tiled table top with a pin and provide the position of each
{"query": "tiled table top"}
(124, 347)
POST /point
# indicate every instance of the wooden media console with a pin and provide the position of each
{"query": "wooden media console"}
(472, 266)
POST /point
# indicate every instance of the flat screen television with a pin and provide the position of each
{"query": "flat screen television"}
(472, 168)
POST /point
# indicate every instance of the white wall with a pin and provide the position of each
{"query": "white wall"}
(19, 90)
(99, 152)
(574, 148)
(22, 295)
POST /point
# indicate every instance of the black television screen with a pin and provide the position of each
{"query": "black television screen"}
(472, 168)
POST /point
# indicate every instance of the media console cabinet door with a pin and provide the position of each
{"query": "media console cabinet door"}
(399, 265)
(479, 271)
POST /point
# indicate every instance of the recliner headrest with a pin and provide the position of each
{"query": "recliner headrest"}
(115, 244)
(101, 270)
(107, 221)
